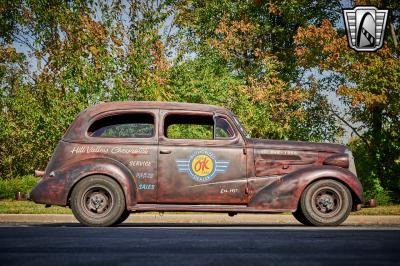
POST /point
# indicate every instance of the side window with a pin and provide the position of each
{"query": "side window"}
(223, 129)
(180, 126)
(128, 125)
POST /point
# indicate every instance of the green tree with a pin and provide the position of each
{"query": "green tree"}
(74, 54)
(369, 89)
(58, 57)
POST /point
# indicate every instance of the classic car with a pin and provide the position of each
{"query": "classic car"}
(118, 158)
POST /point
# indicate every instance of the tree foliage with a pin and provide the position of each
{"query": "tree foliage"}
(253, 57)
(370, 91)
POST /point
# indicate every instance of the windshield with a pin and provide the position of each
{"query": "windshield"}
(242, 130)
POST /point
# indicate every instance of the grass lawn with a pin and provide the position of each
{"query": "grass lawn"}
(28, 207)
(380, 210)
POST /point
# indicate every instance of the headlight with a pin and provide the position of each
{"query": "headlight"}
(352, 165)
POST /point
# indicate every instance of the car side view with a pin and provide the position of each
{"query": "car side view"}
(119, 158)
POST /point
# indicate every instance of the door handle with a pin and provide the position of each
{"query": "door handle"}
(165, 151)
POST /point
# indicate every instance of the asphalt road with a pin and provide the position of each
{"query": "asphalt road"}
(69, 244)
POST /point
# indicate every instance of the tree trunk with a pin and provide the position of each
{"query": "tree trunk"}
(393, 32)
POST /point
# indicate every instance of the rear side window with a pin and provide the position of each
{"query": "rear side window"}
(130, 125)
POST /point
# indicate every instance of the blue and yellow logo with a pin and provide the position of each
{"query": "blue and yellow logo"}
(202, 166)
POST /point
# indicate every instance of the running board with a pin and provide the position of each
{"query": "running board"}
(183, 207)
(202, 208)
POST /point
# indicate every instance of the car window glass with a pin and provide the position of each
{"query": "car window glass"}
(132, 125)
(223, 130)
(178, 126)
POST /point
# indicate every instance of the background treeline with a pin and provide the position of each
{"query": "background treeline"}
(284, 67)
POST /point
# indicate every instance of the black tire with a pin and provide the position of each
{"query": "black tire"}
(324, 203)
(123, 217)
(299, 215)
(98, 201)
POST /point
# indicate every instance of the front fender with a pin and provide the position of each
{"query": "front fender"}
(68, 176)
(285, 192)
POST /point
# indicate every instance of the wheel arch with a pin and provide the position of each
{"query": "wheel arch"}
(106, 167)
(354, 197)
(284, 193)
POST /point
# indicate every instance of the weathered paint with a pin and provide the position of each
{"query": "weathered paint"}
(157, 173)
(285, 191)
(341, 160)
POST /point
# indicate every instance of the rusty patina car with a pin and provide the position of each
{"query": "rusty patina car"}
(123, 157)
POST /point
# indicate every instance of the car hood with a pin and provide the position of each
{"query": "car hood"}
(297, 145)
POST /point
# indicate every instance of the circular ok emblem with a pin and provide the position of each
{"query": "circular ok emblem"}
(202, 166)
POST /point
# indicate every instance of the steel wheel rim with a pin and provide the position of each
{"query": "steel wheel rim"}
(326, 202)
(97, 201)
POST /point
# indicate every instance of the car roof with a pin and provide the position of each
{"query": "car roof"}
(77, 129)
(109, 106)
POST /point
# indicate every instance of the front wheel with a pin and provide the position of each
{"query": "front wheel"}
(98, 201)
(324, 203)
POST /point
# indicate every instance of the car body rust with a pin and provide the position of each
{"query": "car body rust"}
(157, 173)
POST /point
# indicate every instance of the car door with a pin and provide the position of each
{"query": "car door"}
(199, 163)
(128, 137)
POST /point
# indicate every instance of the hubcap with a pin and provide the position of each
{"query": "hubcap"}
(327, 202)
(97, 201)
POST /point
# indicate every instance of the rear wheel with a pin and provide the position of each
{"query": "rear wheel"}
(324, 203)
(98, 201)
(123, 217)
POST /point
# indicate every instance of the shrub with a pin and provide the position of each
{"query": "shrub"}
(367, 173)
(378, 192)
(9, 187)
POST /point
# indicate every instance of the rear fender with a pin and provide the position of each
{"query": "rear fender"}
(56, 186)
(285, 192)
(103, 166)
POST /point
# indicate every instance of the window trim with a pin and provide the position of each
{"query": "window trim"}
(163, 140)
(118, 139)
(188, 114)
(229, 122)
